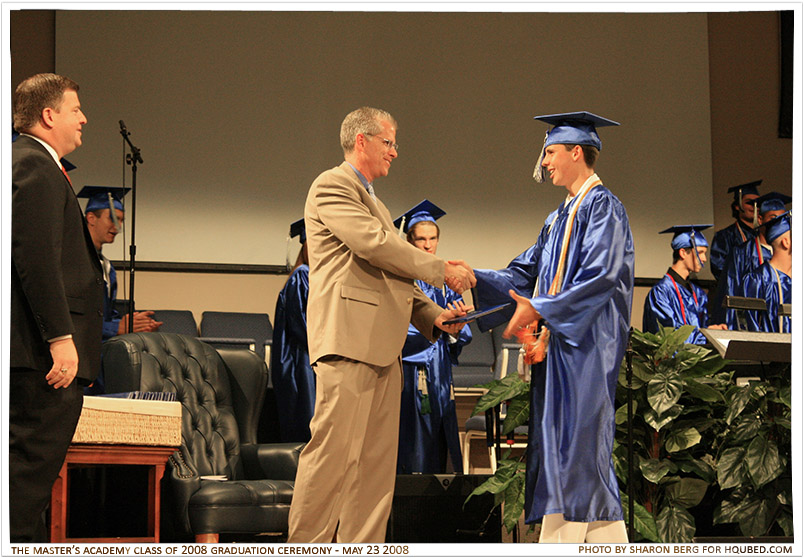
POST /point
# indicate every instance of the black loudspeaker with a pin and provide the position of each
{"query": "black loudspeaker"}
(430, 509)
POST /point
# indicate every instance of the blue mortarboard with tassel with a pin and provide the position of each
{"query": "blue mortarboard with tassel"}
(570, 128)
(423, 211)
(103, 197)
(687, 236)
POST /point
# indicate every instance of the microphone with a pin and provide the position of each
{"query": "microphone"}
(123, 127)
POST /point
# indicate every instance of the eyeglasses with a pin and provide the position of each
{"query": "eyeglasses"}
(388, 143)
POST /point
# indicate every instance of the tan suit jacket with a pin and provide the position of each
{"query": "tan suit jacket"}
(362, 289)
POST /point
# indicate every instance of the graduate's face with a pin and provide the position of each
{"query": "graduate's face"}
(560, 163)
(747, 209)
(695, 263)
(102, 229)
(425, 237)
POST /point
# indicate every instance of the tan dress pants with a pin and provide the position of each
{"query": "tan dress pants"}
(345, 481)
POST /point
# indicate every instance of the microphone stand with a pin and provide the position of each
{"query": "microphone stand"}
(131, 159)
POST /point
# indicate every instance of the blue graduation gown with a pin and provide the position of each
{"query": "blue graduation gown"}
(762, 284)
(724, 240)
(293, 377)
(662, 306)
(425, 437)
(569, 465)
(744, 259)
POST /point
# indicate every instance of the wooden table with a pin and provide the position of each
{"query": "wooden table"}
(106, 454)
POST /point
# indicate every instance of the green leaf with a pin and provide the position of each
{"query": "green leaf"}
(677, 440)
(740, 396)
(499, 391)
(657, 422)
(686, 358)
(664, 391)
(506, 471)
(675, 525)
(702, 391)
(728, 510)
(672, 340)
(518, 413)
(656, 469)
(731, 468)
(784, 396)
(699, 467)
(754, 516)
(644, 523)
(763, 461)
(785, 521)
(621, 415)
(745, 428)
(686, 492)
(514, 502)
(707, 366)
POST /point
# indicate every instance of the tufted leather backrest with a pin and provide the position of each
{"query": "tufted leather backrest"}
(196, 374)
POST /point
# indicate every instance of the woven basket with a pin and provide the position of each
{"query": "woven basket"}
(107, 420)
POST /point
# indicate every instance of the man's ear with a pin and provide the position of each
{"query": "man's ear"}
(91, 218)
(47, 117)
(577, 153)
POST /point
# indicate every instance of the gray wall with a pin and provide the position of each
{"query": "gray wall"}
(237, 112)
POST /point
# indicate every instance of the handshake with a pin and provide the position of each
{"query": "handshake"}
(459, 276)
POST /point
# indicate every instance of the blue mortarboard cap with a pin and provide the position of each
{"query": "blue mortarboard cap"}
(575, 128)
(99, 197)
(777, 226)
(297, 229)
(747, 189)
(572, 128)
(424, 211)
(772, 201)
(685, 236)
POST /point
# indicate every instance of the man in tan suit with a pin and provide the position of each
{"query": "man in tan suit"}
(362, 298)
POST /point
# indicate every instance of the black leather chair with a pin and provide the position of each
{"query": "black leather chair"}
(221, 393)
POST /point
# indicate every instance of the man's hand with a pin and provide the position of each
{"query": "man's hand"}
(65, 363)
(143, 321)
(525, 314)
(453, 310)
(459, 276)
(717, 326)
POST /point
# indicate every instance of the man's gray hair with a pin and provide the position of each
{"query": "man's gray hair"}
(365, 120)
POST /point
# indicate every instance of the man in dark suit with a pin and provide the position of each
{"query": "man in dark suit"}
(56, 298)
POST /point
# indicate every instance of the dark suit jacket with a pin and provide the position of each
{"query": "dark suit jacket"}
(56, 277)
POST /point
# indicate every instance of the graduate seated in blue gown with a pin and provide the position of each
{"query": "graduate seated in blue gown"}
(577, 281)
(293, 377)
(747, 257)
(428, 422)
(773, 280)
(105, 215)
(675, 301)
(742, 209)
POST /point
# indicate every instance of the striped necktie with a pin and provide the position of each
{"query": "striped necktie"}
(370, 189)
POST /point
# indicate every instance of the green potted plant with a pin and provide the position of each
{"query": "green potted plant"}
(699, 440)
